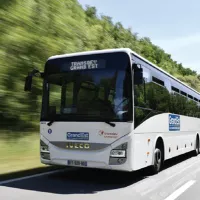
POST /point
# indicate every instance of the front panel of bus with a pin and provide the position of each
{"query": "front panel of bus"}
(87, 111)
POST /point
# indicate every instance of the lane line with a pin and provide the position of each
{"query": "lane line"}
(170, 177)
(182, 189)
(186, 178)
(34, 176)
(144, 184)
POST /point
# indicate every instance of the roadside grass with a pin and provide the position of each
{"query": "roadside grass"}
(18, 153)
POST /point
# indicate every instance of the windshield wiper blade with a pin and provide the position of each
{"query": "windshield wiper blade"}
(110, 123)
(51, 122)
(103, 120)
(107, 122)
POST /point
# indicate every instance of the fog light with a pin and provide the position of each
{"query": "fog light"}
(120, 160)
(45, 156)
(43, 147)
(118, 153)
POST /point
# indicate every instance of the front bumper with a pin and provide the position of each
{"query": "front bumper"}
(100, 159)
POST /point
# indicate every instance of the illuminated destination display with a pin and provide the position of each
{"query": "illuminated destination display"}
(91, 64)
(83, 65)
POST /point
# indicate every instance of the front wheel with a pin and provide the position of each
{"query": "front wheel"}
(157, 161)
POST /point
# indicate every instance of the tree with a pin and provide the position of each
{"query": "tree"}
(33, 30)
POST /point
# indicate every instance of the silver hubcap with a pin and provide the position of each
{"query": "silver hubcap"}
(197, 146)
(158, 158)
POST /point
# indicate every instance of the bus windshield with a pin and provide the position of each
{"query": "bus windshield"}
(89, 95)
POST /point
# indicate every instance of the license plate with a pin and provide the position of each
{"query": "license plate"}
(77, 163)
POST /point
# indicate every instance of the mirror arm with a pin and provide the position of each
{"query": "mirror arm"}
(144, 89)
(36, 73)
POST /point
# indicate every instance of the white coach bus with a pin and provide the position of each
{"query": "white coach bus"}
(113, 109)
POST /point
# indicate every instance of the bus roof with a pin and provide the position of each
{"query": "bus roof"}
(126, 50)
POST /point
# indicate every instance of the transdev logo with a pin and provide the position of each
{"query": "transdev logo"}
(77, 136)
(174, 122)
(108, 135)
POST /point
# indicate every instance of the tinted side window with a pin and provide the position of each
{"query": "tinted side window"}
(159, 100)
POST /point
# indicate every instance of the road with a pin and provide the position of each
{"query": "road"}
(180, 180)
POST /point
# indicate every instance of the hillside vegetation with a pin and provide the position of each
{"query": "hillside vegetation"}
(33, 30)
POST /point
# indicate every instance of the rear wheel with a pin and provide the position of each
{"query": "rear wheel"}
(157, 161)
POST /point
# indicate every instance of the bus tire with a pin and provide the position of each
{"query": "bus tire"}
(197, 146)
(157, 161)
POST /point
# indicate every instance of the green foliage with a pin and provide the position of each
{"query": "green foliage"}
(33, 30)
(19, 153)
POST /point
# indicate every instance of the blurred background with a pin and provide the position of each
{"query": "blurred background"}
(33, 30)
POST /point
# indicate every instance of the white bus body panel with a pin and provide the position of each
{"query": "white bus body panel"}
(96, 158)
(158, 126)
(140, 150)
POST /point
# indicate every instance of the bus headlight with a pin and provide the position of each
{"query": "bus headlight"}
(118, 153)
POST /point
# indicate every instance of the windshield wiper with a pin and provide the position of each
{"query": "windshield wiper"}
(107, 121)
(103, 120)
(51, 122)
(110, 123)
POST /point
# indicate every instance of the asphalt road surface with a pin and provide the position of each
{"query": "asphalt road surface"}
(180, 180)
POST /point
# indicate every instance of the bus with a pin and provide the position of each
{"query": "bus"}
(113, 109)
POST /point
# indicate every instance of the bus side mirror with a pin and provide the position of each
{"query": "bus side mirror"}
(28, 83)
(138, 74)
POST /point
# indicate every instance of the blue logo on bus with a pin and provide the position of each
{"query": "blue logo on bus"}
(174, 122)
(49, 131)
(77, 136)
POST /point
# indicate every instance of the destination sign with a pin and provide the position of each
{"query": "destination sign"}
(83, 65)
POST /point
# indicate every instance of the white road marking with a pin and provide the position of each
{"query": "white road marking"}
(186, 178)
(170, 177)
(33, 176)
(143, 185)
(182, 189)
